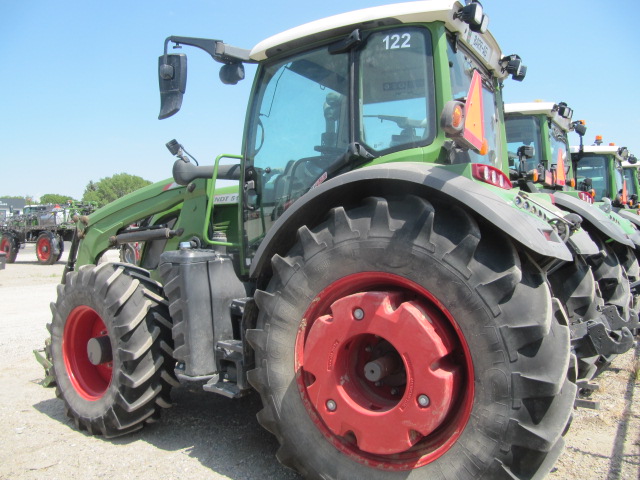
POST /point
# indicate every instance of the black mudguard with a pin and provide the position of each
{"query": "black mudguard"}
(634, 218)
(427, 180)
(594, 216)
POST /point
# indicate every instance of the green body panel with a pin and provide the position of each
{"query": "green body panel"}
(159, 201)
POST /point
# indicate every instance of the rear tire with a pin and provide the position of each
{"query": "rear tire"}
(383, 280)
(9, 244)
(120, 313)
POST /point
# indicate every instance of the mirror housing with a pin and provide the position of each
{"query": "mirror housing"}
(632, 159)
(580, 128)
(526, 151)
(172, 78)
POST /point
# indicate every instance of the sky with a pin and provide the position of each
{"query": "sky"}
(80, 94)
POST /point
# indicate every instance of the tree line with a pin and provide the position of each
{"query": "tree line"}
(104, 191)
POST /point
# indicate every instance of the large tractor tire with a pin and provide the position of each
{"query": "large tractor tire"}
(111, 348)
(400, 339)
(9, 245)
(610, 271)
(611, 277)
(45, 248)
(629, 261)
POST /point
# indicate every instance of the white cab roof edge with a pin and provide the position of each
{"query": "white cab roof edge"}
(425, 11)
(603, 149)
(538, 108)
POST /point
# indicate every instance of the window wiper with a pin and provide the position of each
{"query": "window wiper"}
(402, 122)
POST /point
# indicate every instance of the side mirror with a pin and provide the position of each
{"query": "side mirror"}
(172, 78)
(580, 129)
(232, 73)
(526, 151)
(632, 159)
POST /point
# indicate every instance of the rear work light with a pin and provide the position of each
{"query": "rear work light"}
(490, 175)
(585, 196)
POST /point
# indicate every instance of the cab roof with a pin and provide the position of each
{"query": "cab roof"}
(538, 108)
(396, 14)
(599, 149)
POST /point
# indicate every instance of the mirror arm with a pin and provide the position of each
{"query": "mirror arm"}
(219, 51)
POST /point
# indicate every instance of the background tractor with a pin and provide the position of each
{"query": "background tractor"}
(48, 226)
(372, 271)
(537, 137)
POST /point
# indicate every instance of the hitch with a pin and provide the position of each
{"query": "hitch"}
(606, 342)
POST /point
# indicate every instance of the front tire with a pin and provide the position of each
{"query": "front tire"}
(111, 348)
(400, 339)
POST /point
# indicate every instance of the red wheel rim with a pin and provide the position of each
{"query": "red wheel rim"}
(90, 381)
(44, 249)
(5, 246)
(384, 371)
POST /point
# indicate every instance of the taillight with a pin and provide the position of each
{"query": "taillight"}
(490, 175)
(585, 196)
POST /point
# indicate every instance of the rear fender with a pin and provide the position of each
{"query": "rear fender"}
(427, 180)
(594, 216)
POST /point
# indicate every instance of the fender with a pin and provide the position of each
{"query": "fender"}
(633, 218)
(427, 180)
(596, 217)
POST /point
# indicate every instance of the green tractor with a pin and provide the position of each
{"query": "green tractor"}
(374, 276)
(600, 169)
(537, 138)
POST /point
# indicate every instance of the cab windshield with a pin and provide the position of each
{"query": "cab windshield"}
(594, 167)
(559, 147)
(309, 107)
(523, 130)
(630, 175)
(462, 65)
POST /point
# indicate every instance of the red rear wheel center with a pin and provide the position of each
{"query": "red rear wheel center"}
(384, 370)
(90, 381)
(44, 248)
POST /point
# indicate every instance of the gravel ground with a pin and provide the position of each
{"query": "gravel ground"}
(210, 437)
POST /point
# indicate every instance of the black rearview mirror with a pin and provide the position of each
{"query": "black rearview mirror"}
(172, 78)
(526, 151)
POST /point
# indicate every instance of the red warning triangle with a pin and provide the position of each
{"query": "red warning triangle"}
(474, 113)
(561, 176)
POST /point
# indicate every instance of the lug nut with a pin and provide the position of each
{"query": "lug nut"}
(331, 405)
(423, 401)
(358, 314)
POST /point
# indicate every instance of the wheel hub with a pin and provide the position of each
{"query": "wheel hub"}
(378, 371)
(86, 350)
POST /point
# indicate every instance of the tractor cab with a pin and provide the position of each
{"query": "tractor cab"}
(538, 147)
(599, 168)
(377, 86)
